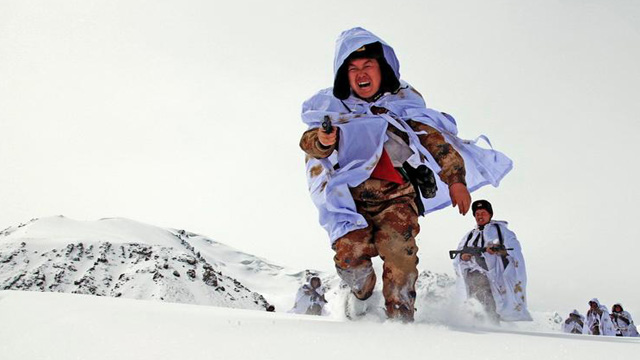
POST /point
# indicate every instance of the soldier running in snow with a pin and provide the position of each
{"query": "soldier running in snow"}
(574, 323)
(491, 268)
(622, 322)
(598, 320)
(370, 145)
(310, 298)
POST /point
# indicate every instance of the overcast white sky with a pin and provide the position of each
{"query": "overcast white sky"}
(185, 114)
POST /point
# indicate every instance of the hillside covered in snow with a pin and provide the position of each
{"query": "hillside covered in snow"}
(70, 285)
(118, 258)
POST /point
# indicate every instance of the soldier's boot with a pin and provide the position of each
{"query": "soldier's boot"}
(400, 312)
(353, 264)
(361, 280)
(400, 299)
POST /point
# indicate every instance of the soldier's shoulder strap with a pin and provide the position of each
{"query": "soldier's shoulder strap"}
(468, 238)
(499, 234)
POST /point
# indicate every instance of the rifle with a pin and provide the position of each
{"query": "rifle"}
(475, 251)
(616, 316)
(326, 124)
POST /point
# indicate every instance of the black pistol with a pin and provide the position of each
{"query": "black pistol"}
(326, 125)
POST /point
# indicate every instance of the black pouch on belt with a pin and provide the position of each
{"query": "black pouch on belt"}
(423, 181)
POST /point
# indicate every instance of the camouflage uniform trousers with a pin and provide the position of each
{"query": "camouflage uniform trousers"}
(479, 288)
(392, 218)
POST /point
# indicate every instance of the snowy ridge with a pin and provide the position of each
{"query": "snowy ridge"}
(62, 255)
(276, 283)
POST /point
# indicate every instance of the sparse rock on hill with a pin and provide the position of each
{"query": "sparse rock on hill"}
(118, 258)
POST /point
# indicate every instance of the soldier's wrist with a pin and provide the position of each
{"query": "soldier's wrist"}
(457, 179)
(321, 146)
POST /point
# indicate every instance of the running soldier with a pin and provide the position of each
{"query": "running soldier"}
(490, 267)
(371, 146)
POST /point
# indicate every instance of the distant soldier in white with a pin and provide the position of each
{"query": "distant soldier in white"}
(622, 322)
(310, 298)
(574, 323)
(491, 267)
(598, 320)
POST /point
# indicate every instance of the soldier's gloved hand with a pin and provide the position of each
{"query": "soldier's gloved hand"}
(460, 197)
(327, 139)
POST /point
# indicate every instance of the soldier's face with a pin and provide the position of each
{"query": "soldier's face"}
(364, 77)
(593, 305)
(482, 217)
(617, 308)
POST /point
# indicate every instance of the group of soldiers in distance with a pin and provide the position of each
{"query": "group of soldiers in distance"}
(599, 322)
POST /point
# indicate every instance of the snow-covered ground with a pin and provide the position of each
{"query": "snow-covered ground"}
(163, 316)
(63, 326)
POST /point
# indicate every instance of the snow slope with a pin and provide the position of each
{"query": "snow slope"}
(115, 257)
(54, 257)
(62, 326)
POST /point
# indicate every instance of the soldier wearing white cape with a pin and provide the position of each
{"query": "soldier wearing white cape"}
(373, 150)
(310, 298)
(622, 322)
(598, 320)
(495, 274)
(574, 323)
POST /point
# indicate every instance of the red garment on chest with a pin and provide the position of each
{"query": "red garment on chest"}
(384, 170)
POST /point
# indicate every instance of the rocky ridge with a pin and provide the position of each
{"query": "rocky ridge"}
(132, 270)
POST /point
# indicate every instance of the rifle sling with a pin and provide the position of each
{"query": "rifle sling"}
(500, 238)
(505, 261)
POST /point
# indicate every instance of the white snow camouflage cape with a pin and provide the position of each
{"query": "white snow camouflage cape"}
(362, 136)
(304, 301)
(572, 326)
(508, 284)
(603, 322)
(628, 330)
